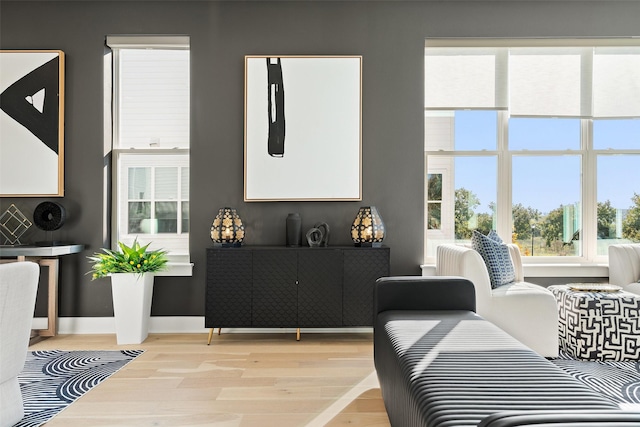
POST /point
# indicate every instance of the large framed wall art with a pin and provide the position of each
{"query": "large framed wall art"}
(303, 128)
(31, 123)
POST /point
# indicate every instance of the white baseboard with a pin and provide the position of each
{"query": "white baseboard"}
(168, 325)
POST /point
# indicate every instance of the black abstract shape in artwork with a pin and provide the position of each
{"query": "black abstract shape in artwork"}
(32, 101)
(275, 95)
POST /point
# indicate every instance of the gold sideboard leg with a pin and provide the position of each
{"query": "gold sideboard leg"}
(210, 336)
(298, 334)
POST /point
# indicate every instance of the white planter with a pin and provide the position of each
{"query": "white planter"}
(132, 295)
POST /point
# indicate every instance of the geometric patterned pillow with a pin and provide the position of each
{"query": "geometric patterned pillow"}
(496, 257)
(493, 235)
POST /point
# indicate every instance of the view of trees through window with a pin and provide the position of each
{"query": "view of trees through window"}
(543, 234)
(546, 183)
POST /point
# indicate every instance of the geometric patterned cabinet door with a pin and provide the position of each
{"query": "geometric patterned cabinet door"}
(320, 288)
(276, 286)
(274, 296)
(598, 325)
(229, 287)
(362, 267)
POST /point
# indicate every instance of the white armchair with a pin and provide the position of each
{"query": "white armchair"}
(624, 266)
(18, 286)
(526, 311)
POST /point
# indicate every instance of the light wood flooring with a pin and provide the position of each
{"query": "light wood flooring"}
(240, 380)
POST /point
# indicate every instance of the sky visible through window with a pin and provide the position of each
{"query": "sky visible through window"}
(545, 182)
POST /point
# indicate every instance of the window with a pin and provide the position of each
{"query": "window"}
(150, 142)
(154, 194)
(539, 140)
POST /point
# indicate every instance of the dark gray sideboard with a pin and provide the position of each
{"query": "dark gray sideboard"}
(277, 286)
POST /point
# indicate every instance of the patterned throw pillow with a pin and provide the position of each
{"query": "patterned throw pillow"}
(493, 235)
(496, 257)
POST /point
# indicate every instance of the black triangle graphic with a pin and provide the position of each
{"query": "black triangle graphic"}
(13, 101)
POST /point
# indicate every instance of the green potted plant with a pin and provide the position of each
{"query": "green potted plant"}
(131, 270)
(130, 259)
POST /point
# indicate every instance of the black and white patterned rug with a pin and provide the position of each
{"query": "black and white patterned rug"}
(619, 381)
(52, 380)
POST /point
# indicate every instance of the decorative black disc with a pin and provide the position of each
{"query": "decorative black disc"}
(49, 216)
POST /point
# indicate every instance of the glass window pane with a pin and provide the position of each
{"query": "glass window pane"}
(618, 201)
(546, 205)
(544, 134)
(461, 130)
(434, 184)
(617, 134)
(469, 194)
(139, 217)
(475, 195)
(166, 183)
(476, 130)
(184, 186)
(185, 217)
(167, 216)
(139, 183)
(434, 214)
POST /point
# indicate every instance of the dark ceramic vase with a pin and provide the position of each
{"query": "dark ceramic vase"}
(294, 230)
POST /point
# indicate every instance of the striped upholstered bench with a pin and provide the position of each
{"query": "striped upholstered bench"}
(439, 364)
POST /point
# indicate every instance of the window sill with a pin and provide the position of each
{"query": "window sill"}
(548, 270)
(566, 270)
(177, 269)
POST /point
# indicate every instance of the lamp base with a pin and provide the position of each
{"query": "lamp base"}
(227, 245)
(368, 245)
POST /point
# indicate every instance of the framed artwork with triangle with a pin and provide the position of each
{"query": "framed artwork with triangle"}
(31, 123)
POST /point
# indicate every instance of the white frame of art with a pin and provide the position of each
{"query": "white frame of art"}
(315, 153)
(32, 123)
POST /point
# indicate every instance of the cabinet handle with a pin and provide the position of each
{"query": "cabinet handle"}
(297, 283)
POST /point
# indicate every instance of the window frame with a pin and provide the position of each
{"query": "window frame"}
(588, 161)
(177, 244)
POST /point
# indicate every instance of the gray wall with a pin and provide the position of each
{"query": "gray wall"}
(390, 37)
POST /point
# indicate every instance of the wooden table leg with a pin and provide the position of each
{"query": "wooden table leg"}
(52, 306)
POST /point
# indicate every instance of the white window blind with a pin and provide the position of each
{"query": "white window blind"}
(153, 82)
(616, 79)
(465, 78)
(546, 82)
(155, 107)
(585, 79)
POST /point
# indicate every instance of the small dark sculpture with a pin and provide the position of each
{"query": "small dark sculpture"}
(318, 235)
(314, 237)
(324, 229)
